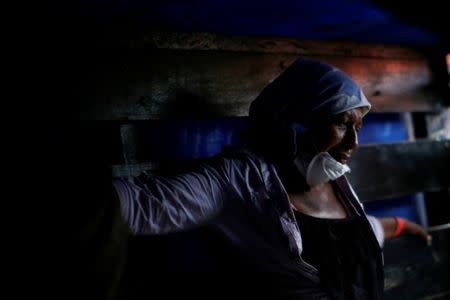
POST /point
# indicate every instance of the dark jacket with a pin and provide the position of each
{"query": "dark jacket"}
(241, 197)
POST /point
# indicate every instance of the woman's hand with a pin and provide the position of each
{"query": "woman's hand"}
(393, 227)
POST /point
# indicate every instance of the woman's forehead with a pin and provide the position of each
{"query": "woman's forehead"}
(355, 113)
(352, 115)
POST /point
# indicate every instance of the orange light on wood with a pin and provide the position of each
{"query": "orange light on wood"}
(448, 62)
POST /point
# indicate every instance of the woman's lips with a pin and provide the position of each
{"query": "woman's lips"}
(341, 157)
(344, 157)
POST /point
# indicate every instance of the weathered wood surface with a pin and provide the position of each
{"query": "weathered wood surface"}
(416, 271)
(390, 170)
(210, 41)
(173, 77)
(119, 170)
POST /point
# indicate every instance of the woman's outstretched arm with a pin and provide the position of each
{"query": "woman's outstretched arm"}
(162, 204)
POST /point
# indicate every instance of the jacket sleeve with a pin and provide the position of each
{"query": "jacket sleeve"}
(162, 204)
(374, 222)
(377, 229)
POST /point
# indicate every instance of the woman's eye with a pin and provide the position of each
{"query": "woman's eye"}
(339, 122)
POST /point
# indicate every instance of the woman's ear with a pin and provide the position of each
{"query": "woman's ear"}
(302, 139)
(284, 143)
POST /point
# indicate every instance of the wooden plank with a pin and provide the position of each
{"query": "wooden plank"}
(124, 170)
(390, 170)
(210, 41)
(416, 271)
(131, 142)
(194, 83)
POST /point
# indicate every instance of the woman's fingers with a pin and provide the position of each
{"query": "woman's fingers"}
(415, 229)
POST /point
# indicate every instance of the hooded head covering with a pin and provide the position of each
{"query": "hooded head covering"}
(307, 90)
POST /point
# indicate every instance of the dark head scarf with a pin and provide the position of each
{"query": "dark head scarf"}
(307, 90)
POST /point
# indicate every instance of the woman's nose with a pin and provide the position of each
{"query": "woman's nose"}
(351, 138)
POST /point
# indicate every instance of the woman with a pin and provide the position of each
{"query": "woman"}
(283, 207)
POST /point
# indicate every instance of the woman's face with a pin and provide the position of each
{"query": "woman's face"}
(339, 135)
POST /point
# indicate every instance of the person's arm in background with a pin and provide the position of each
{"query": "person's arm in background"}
(392, 228)
(163, 204)
(386, 228)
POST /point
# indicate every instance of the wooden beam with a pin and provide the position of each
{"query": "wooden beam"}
(195, 83)
(123, 170)
(220, 42)
(390, 170)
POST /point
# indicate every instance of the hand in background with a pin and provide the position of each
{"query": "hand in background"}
(394, 227)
